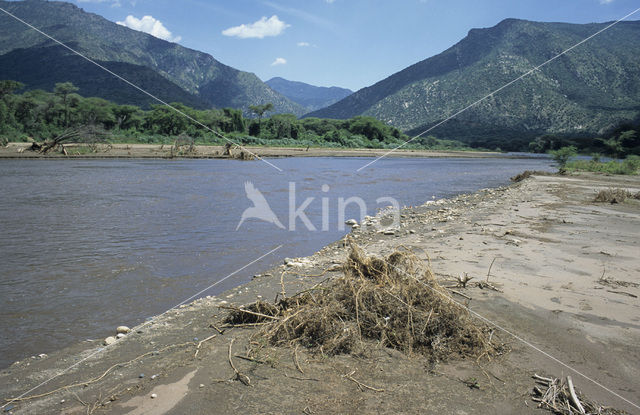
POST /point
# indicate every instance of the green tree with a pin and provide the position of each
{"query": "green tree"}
(260, 110)
(127, 116)
(8, 87)
(64, 90)
(563, 155)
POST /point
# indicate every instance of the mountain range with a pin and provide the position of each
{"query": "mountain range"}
(173, 72)
(586, 91)
(309, 96)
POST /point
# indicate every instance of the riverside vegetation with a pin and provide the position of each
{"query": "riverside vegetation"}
(40, 115)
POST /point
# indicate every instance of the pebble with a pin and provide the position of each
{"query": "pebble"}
(109, 340)
(141, 375)
(154, 395)
(153, 377)
(123, 329)
(351, 222)
(202, 385)
(121, 335)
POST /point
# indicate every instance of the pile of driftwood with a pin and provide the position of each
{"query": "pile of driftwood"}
(560, 397)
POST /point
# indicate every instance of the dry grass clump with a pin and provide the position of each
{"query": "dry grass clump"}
(392, 302)
(615, 196)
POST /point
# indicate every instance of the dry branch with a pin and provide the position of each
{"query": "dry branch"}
(361, 385)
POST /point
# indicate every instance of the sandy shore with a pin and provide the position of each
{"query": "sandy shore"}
(20, 150)
(567, 267)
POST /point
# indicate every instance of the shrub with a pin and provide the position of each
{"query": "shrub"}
(563, 155)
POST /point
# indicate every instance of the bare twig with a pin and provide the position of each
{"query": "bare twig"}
(489, 272)
(238, 375)
(200, 344)
(242, 310)
(250, 359)
(360, 384)
(574, 397)
(213, 326)
(295, 360)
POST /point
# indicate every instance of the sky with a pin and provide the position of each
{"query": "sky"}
(346, 43)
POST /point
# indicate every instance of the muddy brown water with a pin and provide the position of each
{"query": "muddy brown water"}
(87, 245)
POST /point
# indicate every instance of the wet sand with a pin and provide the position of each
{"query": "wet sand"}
(567, 267)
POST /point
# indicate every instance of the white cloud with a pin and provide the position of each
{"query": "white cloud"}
(329, 1)
(279, 61)
(150, 25)
(606, 1)
(303, 44)
(260, 29)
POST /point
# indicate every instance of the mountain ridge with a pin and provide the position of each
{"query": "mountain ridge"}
(309, 96)
(197, 73)
(585, 91)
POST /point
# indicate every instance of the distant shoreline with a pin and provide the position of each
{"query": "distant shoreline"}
(157, 151)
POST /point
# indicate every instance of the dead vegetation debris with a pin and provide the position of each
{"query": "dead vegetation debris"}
(528, 173)
(615, 195)
(559, 396)
(392, 302)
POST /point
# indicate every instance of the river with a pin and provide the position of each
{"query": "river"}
(87, 245)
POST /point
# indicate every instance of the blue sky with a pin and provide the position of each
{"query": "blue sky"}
(346, 43)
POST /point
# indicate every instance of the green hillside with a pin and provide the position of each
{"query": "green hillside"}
(585, 92)
(197, 73)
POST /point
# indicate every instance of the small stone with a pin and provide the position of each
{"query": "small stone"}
(141, 375)
(154, 395)
(42, 355)
(201, 385)
(195, 339)
(120, 335)
(123, 329)
(109, 340)
(411, 231)
(62, 401)
(389, 232)
(153, 377)
(351, 222)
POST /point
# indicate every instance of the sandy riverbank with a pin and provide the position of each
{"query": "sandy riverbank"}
(20, 150)
(569, 273)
